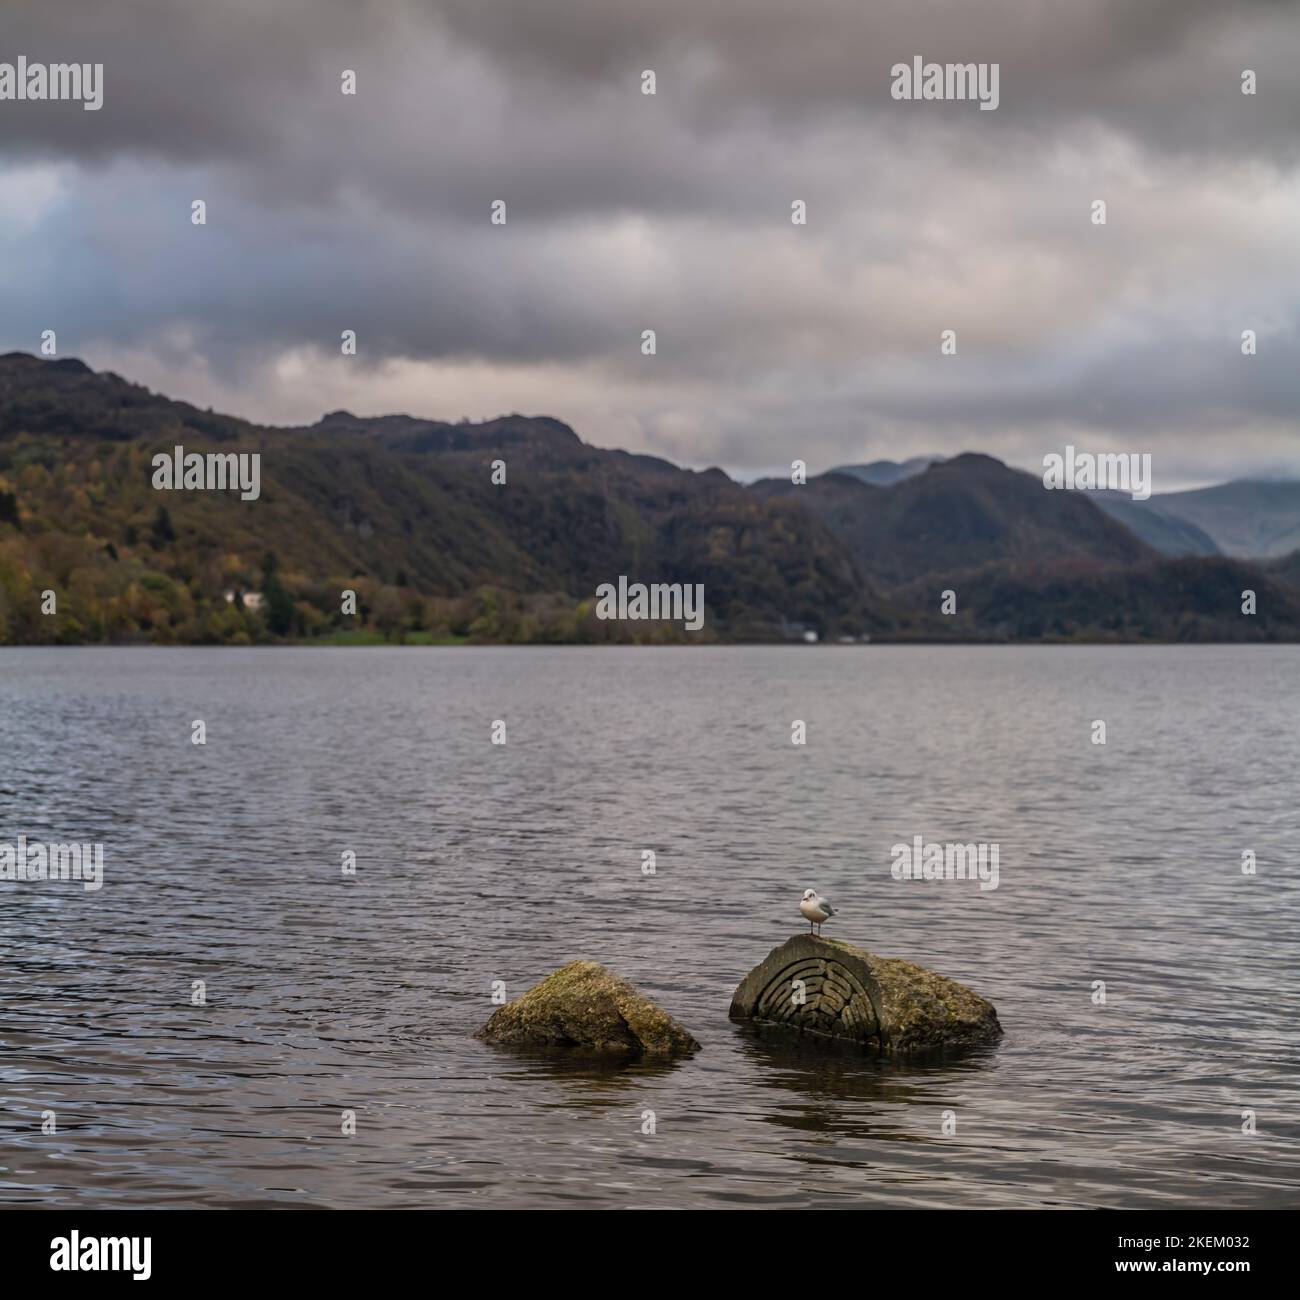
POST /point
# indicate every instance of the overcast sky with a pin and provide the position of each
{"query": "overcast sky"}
(671, 212)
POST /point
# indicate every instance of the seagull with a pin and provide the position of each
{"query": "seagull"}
(816, 908)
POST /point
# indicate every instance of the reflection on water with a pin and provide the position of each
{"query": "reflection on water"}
(839, 1091)
(586, 1075)
(478, 863)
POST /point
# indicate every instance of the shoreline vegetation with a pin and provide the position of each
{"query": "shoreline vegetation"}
(401, 531)
(370, 638)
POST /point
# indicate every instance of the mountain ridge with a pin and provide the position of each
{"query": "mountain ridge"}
(404, 511)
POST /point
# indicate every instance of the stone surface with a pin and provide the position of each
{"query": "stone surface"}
(586, 1007)
(884, 1003)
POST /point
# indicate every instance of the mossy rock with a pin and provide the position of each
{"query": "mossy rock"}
(585, 1007)
(830, 989)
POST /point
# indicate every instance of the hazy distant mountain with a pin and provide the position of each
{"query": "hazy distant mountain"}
(1029, 564)
(1159, 528)
(1246, 518)
(885, 473)
(959, 514)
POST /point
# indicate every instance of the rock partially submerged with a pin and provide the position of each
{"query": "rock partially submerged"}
(833, 990)
(584, 1006)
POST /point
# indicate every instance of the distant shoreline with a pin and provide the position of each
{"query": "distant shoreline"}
(362, 643)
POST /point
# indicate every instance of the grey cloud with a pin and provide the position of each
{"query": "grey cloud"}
(672, 212)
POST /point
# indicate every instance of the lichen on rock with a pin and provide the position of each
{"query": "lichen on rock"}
(584, 1006)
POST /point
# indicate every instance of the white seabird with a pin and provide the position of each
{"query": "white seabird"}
(816, 908)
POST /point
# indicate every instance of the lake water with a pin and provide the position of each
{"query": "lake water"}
(479, 862)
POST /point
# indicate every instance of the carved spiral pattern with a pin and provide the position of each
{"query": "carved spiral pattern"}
(834, 1000)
